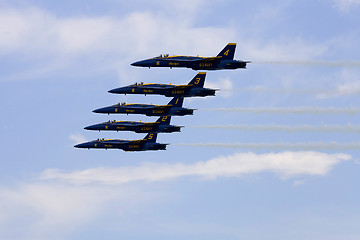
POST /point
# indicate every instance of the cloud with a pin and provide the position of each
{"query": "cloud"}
(319, 63)
(284, 164)
(280, 145)
(346, 89)
(30, 30)
(290, 110)
(77, 138)
(296, 128)
(346, 5)
(42, 209)
(224, 84)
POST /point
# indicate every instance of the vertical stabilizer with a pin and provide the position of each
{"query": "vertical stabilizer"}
(198, 80)
(151, 137)
(176, 102)
(164, 120)
(228, 51)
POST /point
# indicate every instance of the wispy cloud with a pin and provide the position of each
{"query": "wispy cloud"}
(287, 128)
(342, 63)
(284, 164)
(280, 146)
(290, 110)
(346, 89)
(224, 84)
(346, 5)
(77, 138)
(45, 208)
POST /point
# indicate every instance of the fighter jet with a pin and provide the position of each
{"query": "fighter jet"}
(195, 88)
(224, 60)
(161, 125)
(173, 108)
(148, 143)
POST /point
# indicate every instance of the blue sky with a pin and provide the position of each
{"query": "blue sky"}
(275, 155)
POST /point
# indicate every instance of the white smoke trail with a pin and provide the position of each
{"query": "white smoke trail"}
(277, 146)
(321, 63)
(298, 128)
(290, 110)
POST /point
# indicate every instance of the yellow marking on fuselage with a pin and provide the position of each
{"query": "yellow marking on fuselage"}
(134, 146)
(177, 92)
(205, 64)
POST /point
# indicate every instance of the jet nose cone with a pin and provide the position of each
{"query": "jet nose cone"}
(143, 63)
(136, 64)
(100, 110)
(81, 145)
(120, 90)
(92, 127)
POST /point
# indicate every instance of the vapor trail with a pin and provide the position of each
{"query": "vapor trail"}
(340, 63)
(289, 110)
(287, 128)
(277, 146)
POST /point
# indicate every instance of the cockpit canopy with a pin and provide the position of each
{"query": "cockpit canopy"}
(140, 83)
(163, 56)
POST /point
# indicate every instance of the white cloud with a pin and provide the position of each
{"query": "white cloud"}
(345, 89)
(77, 138)
(223, 84)
(42, 209)
(284, 164)
(346, 5)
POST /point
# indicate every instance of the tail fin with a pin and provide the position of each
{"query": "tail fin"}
(228, 51)
(176, 102)
(198, 80)
(164, 120)
(151, 137)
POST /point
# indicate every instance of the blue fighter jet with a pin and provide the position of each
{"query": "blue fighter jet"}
(161, 125)
(224, 60)
(195, 88)
(173, 108)
(148, 143)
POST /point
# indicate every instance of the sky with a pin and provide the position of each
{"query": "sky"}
(274, 155)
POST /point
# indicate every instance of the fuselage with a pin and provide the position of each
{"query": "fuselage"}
(126, 145)
(195, 63)
(165, 89)
(138, 127)
(146, 109)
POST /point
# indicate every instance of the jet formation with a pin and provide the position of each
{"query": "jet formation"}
(195, 88)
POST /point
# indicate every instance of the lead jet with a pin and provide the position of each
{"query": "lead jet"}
(173, 108)
(161, 125)
(148, 143)
(224, 60)
(195, 88)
